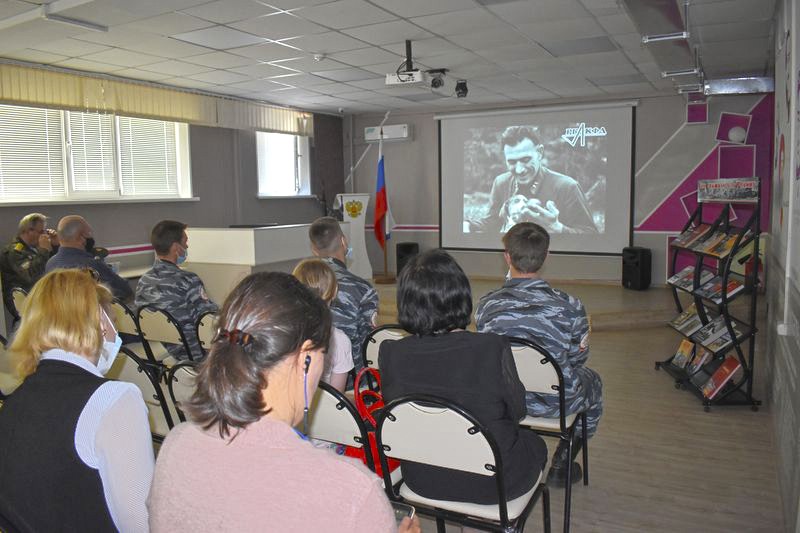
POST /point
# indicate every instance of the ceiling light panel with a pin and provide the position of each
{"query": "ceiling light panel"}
(219, 77)
(591, 45)
(226, 11)
(278, 26)
(220, 60)
(124, 58)
(260, 70)
(326, 43)
(267, 52)
(459, 22)
(389, 32)
(219, 38)
(167, 47)
(556, 30)
(347, 74)
(176, 68)
(346, 14)
(366, 56)
(417, 8)
(168, 24)
(526, 12)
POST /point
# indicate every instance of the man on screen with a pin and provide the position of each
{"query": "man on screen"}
(531, 192)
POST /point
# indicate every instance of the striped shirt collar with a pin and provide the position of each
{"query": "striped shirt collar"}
(57, 354)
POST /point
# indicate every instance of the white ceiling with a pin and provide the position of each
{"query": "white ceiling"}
(508, 50)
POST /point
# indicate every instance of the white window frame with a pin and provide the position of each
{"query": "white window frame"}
(302, 166)
(71, 196)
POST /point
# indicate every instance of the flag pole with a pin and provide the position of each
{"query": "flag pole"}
(386, 278)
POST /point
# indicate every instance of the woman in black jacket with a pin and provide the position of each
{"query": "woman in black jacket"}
(474, 370)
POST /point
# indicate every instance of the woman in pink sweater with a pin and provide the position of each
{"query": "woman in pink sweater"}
(240, 465)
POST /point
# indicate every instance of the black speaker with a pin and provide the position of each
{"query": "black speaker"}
(405, 252)
(636, 263)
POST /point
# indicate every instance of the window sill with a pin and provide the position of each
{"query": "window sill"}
(95, 201)
(299, 196)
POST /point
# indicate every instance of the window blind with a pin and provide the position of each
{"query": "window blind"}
(31, 153)
(148, 157)
(91, 149)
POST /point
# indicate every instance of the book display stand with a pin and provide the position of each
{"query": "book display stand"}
(708, 328)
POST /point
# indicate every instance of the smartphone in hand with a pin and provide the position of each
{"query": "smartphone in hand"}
(402, 510)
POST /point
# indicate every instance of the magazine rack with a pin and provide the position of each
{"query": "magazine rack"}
(737, 336)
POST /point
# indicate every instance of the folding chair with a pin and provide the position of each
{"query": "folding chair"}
(372, 343)
(130, 368)
(128, 328)
(8, 378)
(434, 431)
(158, 327)
(181, 384)
(333, 418)
(539, 372)
(206, 330)
(18, 297)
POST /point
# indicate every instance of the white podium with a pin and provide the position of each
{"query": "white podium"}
(354, 208)
(222, 257)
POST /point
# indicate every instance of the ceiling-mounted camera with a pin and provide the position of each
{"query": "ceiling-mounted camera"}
(437, 77)
(461, 88)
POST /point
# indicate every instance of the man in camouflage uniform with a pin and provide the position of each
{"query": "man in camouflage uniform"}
(527, 307)
(355, 309)
(23, 261)
(168, 287)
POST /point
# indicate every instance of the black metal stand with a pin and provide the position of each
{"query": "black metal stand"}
(739, 391)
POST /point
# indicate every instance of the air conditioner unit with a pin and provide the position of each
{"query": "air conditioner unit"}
(394, 132)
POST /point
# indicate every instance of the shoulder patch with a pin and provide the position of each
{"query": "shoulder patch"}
(19, 247)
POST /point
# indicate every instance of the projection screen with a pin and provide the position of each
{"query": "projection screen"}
(568, 169)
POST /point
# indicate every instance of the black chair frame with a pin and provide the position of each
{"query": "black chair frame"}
(148, 350)
(566, 434)
(153, 373)
(442, 515)
(170, 376)
(343, 402)
(202, 317)
(370, 338)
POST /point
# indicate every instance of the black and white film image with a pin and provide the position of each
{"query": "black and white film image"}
(554, 175)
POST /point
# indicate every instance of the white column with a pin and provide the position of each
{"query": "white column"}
(354, 209)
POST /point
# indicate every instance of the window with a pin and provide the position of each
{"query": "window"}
(283, 166)
(52, 155)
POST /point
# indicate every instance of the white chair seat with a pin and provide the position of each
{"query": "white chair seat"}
(547, 424)
(489, 512)
(8, 383)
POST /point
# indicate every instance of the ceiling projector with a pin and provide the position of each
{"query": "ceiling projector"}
(409, 78)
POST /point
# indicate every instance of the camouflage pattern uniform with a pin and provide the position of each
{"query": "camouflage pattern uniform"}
(354, 309)
(181, 294)
(531, 309)
(21, 266)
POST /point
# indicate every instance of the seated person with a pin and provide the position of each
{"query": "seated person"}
(259, 473)
(526, 306)
(355, 309)
(474, 370)
(318, 276)
(77, 251)
(76, 452)
(169, 288)
(22, 262)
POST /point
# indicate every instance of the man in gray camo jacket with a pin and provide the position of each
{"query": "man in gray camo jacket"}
(526, 306)
(168, 287)
(355, 309)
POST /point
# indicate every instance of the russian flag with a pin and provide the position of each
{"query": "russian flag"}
(383, 214)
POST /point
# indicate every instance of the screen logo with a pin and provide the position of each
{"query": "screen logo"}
(581, 131)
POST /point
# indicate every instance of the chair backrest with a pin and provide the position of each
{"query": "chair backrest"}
(124, 319)
(332, 418)
(18, 296)
(5, 359)
(131, 369)
(427, 430)
(206, 330)
(181, 385)
(373, 341)
(158, 326)
(537, 370)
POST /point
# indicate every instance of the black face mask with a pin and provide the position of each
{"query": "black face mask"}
(89, 246)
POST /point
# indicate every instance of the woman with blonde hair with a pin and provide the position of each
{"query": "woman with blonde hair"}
(75, 452)
(320, 278)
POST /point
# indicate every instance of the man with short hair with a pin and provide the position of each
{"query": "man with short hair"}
(531, 192)
(526, 306)
(169, 288)
(23, 261)
(355, 309)
(77, 251)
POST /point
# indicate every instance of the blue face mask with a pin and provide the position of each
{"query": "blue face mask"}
(183, 256)
(349, 253)
(109, 354)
